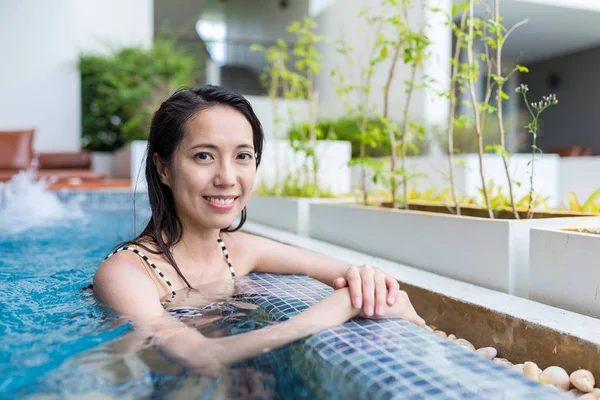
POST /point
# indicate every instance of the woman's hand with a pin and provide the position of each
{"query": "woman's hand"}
(370, 289)
(402, 308)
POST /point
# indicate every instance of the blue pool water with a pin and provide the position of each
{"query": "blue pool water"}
(54, 339)
(47, 320)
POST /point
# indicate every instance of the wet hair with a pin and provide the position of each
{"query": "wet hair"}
(167, 129)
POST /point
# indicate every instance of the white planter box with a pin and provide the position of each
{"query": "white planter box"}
(489, 253)
(104, 162)
(468, 181)
(578, 175)
(287, 213)
(564, 270)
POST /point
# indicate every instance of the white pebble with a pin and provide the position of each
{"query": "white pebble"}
(531, 370)
(583, 380)
(452, 337)
(487, 352)
(465, 343)
(556, 376)
(441, 333)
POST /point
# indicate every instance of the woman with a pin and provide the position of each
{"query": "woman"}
(203, 151)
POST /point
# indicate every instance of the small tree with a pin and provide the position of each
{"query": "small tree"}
(535, 110)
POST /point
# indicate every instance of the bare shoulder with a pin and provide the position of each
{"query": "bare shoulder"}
(123, 263)
(122, 284)
(248, 250)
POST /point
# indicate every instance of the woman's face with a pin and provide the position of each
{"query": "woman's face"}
(213, 169)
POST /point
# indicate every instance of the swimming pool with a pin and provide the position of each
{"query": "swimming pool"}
(54, 339)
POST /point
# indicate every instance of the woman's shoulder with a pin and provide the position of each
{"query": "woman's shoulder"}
(120, 263)
(119, 277)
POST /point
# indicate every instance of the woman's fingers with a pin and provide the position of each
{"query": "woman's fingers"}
(410, 313)
(339, 283)
(380, 292)
(368, 289)
(354, 281)
(393, 289)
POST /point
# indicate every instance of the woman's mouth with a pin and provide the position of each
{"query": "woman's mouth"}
(221, 203)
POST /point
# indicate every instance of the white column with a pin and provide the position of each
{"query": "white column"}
(438, 67)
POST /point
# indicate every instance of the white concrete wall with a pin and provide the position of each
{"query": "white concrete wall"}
(38, 73)
(39, 50)
(575, 119)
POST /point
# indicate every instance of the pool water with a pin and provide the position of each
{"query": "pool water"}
(55, 339)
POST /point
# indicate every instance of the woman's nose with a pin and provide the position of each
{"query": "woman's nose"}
(225, 175)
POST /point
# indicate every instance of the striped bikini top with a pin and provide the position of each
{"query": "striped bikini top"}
(159, 272)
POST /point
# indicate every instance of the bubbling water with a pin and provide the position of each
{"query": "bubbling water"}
(26, 202)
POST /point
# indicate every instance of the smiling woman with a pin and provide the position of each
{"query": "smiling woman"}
(203, 151)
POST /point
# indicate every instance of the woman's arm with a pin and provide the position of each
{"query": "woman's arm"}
(128, 290)
(370, 288)
(186, 348)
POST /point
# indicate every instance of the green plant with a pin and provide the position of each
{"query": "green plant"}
(590, 205)
(293, 185)
(500, 201)
(535, 110)
(120, 91)
(349, 129)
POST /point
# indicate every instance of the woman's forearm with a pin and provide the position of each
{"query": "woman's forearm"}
(333, 310)
(188, 348)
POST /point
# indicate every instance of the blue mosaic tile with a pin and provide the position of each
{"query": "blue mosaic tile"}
(393, 359)
(106, 200)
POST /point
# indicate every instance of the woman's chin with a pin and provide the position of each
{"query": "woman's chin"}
(225, 222)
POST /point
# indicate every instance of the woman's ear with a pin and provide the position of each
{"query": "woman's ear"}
(161, 168)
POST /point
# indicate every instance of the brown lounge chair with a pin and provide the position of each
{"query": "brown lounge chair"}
(572, 151)
(16, 154)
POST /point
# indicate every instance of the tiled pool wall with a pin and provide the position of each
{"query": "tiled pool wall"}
(374, 359)
(389, 358)
(106, 200)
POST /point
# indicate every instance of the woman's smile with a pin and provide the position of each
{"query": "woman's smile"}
(223, 203)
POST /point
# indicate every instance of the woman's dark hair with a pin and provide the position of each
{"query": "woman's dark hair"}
(166, 132)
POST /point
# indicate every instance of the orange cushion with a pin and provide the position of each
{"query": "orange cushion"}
(74, 160)
(16, 149)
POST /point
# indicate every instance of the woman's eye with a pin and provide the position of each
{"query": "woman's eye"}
(203, 156)
(245, 156)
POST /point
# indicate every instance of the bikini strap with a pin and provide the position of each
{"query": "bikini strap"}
(143, 256)
(226, 254)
